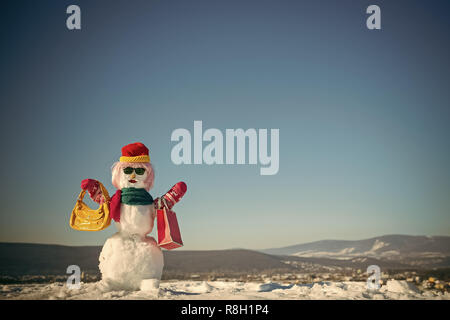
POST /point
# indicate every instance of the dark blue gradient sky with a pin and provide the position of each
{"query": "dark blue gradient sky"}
(363, 115)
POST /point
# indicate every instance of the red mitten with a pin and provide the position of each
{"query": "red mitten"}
(92, 186)
(172, 196)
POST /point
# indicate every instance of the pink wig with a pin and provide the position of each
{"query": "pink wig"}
(119, 166)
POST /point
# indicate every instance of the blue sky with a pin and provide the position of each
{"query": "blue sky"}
(363, 115)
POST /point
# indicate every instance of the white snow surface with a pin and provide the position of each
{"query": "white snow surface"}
(378, 245)
(223, 290)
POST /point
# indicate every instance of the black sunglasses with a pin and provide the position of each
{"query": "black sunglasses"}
(129, 170)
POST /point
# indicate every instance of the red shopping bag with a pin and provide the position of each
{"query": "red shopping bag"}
(169, 236)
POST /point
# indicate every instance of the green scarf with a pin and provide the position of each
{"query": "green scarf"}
(136, 196)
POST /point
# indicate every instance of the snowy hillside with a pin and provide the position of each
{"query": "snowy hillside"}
(391, 247)
(219, 290)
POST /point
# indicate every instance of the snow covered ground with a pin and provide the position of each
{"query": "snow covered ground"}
(218, 290)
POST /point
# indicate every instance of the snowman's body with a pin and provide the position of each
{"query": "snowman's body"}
(136, 219)
(131, 260)
(130, 257)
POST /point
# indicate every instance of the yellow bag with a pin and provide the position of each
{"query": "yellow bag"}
(84, 218)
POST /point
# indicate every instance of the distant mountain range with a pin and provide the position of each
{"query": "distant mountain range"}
(18, 259)
(432, 251)
(388, 252)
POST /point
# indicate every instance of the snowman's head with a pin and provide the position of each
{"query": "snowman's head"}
(133, 175)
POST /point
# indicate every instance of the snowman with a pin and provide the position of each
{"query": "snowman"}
(130, 259)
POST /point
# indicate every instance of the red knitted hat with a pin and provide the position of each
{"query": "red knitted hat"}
(135, 152)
